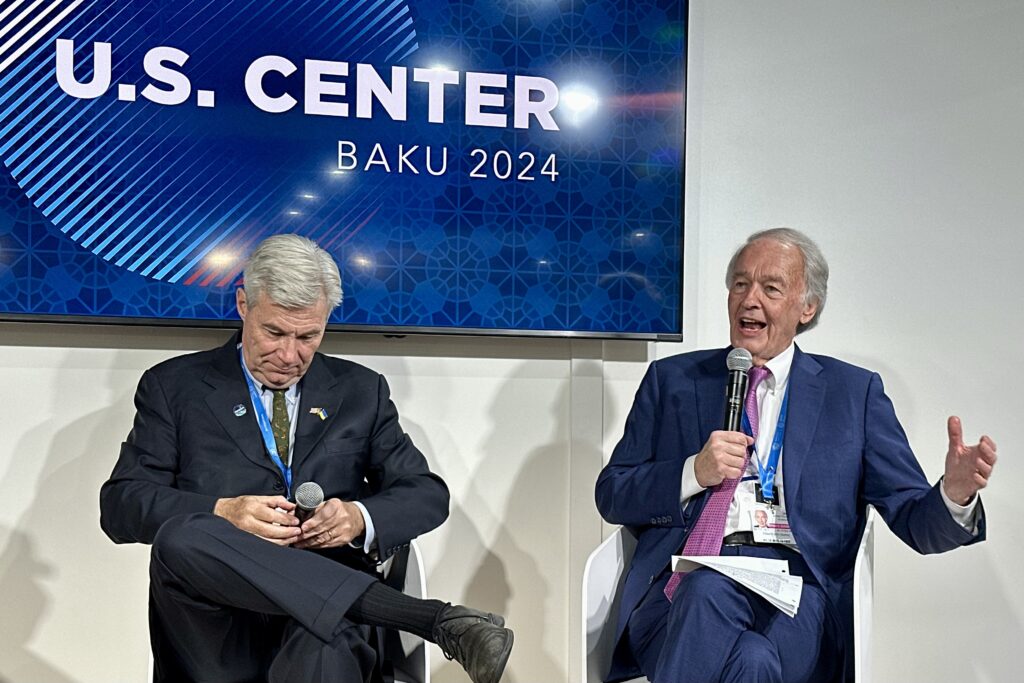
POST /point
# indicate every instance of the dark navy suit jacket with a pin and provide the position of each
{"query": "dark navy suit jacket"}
(843, 449)
(188, 447)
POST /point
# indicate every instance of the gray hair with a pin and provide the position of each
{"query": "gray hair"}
(815, 267)
(293, 272)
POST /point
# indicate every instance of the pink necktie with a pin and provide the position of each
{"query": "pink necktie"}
(706, 536)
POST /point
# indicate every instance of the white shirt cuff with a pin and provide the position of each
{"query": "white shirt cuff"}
(689, 487)
(369, 535)
(964, 515)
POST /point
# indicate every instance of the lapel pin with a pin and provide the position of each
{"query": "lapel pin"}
(239, 410)
(319, 412)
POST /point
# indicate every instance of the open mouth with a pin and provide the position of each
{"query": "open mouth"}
(751, 325)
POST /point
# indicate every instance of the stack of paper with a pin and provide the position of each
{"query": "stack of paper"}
(768, 578)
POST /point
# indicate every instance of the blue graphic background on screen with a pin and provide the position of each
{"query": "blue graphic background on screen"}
(129, 208)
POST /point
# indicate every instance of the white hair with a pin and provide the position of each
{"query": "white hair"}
(293, 272)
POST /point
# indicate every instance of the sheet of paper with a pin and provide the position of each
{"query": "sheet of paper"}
(768, 578)
(762, 564)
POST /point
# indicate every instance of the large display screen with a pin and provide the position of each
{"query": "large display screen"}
(484, 166)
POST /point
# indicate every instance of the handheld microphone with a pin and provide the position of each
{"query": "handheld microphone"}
(308, 497)
(738, 361)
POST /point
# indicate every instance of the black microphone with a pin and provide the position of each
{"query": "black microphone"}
(307, 499)
(738, 361)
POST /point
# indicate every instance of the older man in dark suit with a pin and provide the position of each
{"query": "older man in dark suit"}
(242, 586)
(820, 442)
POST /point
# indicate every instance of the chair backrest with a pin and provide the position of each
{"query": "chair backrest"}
(863, 599)
(408, 653)
(603, 576)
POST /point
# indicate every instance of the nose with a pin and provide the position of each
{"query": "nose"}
(752, 297)
(287, 350)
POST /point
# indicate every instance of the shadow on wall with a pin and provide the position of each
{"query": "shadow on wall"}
(21, 575)
(492, 556)
(467, 553)
(523, 569)
(67, 591)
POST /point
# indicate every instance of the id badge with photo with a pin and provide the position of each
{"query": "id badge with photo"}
(770, 524)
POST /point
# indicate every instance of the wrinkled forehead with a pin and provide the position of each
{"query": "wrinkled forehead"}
(768, 259)
(307, 317)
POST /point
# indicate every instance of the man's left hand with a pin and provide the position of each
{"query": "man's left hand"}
(335, 523)
(968, 468)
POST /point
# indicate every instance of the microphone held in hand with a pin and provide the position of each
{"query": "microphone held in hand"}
(738, 361)
(308, 498)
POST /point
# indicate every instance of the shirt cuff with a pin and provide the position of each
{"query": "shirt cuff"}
(964, 515)
(689, 487)
(369, 540)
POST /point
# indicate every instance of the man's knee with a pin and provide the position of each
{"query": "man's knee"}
(703, 588)
(753, 659)
(179, 538)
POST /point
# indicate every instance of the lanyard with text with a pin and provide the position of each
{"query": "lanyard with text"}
(766, 471)
(265, 429)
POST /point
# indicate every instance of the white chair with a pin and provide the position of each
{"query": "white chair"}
(863, 599)
(605, 572)
(603, 576)
(409, 654)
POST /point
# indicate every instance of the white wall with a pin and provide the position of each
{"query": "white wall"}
(889, 130)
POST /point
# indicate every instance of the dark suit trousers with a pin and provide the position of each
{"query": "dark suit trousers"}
(228, 607)
(714, 630)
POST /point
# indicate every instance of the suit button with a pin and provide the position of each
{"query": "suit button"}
(278, 486)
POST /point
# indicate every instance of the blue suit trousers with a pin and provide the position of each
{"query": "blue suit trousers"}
(716, 631)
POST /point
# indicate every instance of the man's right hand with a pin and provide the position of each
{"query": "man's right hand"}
(721, 458)
(269, 517)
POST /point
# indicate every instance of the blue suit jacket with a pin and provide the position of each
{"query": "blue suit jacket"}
(843, 449)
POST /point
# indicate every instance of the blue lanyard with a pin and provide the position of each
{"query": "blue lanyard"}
(766, 473)
(265, 429)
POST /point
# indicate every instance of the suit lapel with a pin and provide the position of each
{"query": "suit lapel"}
(229, 390)
(711, 384)
(319, 391)
(806, 396)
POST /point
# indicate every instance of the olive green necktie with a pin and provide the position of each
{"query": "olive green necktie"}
(280, 424)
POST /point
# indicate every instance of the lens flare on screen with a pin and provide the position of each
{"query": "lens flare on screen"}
(579, 102)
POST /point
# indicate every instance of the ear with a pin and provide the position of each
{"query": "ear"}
(808, 313)
(240, 303)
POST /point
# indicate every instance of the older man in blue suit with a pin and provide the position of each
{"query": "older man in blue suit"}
(820, 442)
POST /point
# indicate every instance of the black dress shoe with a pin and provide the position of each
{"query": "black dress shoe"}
(477, 640)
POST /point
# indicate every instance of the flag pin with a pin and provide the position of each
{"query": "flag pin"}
(239, 410)
(319, 412)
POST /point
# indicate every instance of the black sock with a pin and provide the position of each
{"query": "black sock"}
(383, 606)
